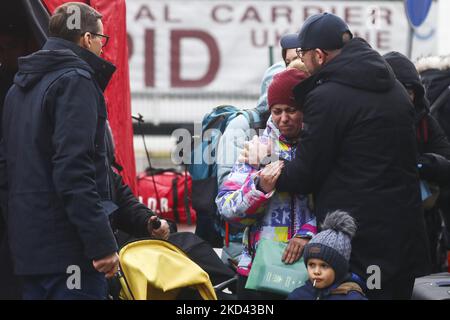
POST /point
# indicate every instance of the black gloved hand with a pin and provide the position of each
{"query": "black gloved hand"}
(434, 168)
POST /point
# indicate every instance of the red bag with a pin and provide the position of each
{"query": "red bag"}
(172, 198)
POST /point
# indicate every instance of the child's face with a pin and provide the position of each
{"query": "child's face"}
(320, 271)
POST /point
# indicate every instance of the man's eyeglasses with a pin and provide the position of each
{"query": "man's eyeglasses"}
(301, 52)
(103, 38)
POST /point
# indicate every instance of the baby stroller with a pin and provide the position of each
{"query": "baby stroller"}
(160, 270)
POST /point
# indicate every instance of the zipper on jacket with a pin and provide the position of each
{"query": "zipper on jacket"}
(292, 222)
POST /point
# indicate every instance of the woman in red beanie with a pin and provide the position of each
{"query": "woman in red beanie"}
(248, 197)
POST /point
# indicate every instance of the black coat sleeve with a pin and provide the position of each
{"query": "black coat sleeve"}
(132, 216)
(438, 142)
(434, 162)
(74, 102)
(315, 154)
(434, 168)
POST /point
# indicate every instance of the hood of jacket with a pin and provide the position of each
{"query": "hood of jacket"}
(262, 105)
(60, 54)
(358, 66)
(406, 73)
(435, 74)
(433, 63)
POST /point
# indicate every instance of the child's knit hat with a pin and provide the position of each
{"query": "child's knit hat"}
(333, 243)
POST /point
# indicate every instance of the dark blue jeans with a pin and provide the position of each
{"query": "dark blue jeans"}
(54, 287)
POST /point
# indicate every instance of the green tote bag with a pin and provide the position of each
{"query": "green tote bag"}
(269, 273)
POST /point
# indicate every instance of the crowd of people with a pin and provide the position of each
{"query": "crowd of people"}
(351, 171)
(367, 145)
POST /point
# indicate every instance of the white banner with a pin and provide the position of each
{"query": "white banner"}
(222, 46)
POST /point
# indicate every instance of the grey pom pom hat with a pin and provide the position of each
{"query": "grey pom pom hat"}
(333, 244)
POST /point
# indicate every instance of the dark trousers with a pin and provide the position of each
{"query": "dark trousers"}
(400, 288)
(246, 294)
(54, 287)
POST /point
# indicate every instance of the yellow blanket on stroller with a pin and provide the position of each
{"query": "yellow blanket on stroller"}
(158, 270)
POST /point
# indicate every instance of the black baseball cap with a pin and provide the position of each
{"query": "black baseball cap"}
(323, 31)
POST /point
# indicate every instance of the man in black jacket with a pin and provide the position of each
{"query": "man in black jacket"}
(53, 163)
(357, 153)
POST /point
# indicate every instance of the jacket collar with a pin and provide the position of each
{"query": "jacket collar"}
(322, 293)
(102, 69)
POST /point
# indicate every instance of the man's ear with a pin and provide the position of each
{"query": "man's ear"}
(85, 40)
(321, 56)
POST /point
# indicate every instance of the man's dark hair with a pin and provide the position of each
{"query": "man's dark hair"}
(63, 21)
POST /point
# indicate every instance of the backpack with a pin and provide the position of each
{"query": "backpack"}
(210, 225)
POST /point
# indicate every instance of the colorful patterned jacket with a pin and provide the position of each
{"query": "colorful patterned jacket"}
(265, 215)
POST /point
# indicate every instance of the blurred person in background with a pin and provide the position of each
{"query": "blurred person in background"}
(433, 150)
(435, 76)
(236, 134)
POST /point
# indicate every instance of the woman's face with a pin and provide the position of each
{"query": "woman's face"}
(289, 120)
(291, 55)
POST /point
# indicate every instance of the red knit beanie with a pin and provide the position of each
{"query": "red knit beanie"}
(280, 90)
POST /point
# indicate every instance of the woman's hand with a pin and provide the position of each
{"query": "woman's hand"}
(294, 250)
(255, 152)
(269, 175)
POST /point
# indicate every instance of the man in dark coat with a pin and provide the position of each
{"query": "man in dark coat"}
(358, 154)
(53, 163)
